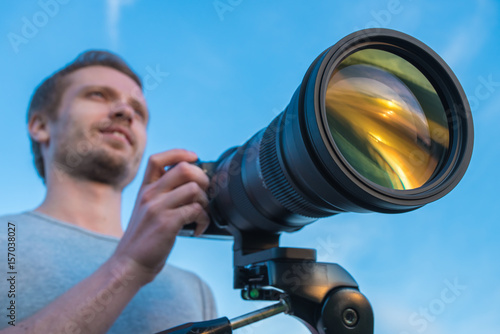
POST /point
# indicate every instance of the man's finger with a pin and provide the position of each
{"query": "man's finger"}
(185, 194)
(202, 224)
(194, 212)
(158, 162)
(181, 174)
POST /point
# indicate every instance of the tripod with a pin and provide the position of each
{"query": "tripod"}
(323, 296)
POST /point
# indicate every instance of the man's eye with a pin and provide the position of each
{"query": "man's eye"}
(139, 113)
(96, 94)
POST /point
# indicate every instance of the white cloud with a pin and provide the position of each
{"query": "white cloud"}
(113, 18)
(471, 34)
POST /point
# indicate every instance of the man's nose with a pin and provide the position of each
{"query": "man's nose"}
(122, 111)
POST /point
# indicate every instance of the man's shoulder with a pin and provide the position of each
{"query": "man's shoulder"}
(27, 221)
(22, 217)
(13, 216)
(9, 222)
(34, 225)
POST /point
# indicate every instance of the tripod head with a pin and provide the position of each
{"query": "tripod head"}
(323, 296)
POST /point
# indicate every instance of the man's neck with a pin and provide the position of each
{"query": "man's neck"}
(91, 205)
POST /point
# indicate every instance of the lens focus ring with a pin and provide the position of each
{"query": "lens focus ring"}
(276, 181)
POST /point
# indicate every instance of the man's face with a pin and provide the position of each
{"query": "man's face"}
(99, 133)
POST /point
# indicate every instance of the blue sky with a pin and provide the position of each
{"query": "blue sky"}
(220, 76)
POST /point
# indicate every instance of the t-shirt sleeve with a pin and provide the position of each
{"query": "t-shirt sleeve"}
(209, 307)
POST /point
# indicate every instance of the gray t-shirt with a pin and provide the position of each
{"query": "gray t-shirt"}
(52, 256)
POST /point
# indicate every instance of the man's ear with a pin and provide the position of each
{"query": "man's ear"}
(38, 127)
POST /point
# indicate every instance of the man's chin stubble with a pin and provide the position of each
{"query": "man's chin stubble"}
(97, 166)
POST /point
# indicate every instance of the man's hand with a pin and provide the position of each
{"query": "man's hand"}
(167, 201)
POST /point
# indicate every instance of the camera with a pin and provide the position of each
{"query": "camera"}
(379, 123)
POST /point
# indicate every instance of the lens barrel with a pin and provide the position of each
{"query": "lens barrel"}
(379, 123)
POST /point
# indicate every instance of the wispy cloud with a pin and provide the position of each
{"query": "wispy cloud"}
(470, 35)
(113, 18)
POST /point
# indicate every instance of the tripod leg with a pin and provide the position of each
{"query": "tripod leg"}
(216, 326)
(224, 326)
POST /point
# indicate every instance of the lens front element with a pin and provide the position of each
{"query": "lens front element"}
(386, 119)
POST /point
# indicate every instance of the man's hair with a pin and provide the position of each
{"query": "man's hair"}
(47, 96)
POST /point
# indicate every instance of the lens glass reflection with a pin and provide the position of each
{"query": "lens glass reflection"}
(386, 119)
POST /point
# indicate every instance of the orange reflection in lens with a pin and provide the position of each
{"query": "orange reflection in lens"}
(380, 128)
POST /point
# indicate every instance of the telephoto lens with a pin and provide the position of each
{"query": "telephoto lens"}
(379, 123)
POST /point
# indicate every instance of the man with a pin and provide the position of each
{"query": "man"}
(77, 271)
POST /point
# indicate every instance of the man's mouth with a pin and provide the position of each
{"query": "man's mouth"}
(119, 133)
